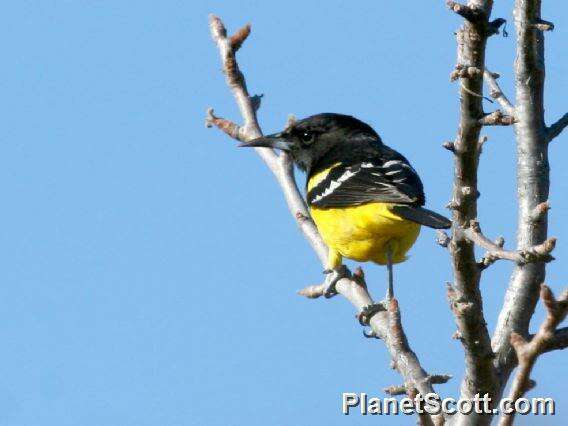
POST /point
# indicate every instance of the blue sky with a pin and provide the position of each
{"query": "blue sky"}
(149, 268)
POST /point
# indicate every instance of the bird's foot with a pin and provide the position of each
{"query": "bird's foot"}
(332, 278)
(369, 311)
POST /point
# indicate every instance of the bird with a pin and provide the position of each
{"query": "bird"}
(364, 197)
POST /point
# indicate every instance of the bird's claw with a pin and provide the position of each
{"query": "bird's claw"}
(332, 278)
(368, 311)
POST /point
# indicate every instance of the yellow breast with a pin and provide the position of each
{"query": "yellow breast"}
(364, 232)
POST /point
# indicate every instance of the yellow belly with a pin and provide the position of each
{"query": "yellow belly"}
(364, 233)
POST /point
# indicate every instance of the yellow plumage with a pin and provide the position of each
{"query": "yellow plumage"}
(364, 232)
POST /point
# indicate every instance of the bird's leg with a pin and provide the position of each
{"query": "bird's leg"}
(390, 288)
(334, 272)
(368, 311)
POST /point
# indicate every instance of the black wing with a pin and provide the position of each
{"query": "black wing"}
(391, 180)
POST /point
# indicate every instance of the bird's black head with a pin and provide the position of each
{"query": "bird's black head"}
(310, 139)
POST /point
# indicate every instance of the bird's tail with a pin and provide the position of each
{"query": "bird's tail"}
(422, 216)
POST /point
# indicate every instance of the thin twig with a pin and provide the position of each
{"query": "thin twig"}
(280, 165)
(538, 253)
(471, 13)
(433, 379)
(496, 93)
(558, 341)
(528, 351)
(497, 118)
(556, 128)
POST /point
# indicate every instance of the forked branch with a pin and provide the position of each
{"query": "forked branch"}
(537, 253)
(386, 325)
(529, 350)
(496, 93)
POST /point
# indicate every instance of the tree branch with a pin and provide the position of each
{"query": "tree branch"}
(386, 325)
(556, 128)
(532, 185)
(480, 375)
(537, 253)
(280, 165)
(558, 341)
(471, 12)
(497, 118)
(496, 93)
(528, 351)
(401, 389)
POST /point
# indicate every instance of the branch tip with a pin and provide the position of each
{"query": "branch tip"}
(313, 291)
(442, 238)
(542, 25)
(497, 118)
(537, 253)
(555, 129)
(239, 37)
(395, 390)
(218, 29)
(472, 14)
(450, 146)
(539, 212)
(227, 126)
(496, 93)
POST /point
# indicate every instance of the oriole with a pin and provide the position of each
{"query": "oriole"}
(364, 197)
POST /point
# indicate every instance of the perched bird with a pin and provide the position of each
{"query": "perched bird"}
(364, 197)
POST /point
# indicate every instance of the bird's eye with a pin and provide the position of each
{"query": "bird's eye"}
(307, 137)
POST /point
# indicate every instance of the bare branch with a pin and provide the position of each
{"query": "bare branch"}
(442, 238)
(555, 129)
(528, 351)
(471, 13)
(386, 326)
(464, 71)
(280, 165)
(558, 341)
(496, 93)
(538, 253)
(540, 211)
(433, 379)
(497, 118)
(480, 375)
(354, 289)
(450, 146)
(395, 390)
(542, 25)
(227, 126)
(239, 37)
(533, 183)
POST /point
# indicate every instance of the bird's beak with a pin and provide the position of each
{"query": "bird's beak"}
(276, 141)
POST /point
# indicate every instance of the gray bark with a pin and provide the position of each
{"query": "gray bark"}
(532, 183)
